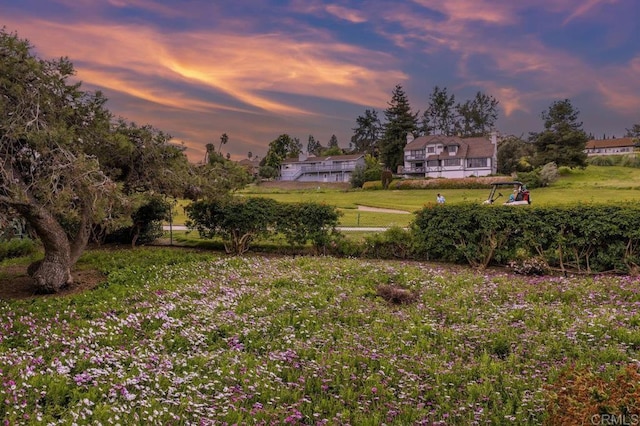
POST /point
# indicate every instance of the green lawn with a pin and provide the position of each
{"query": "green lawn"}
(595, 184)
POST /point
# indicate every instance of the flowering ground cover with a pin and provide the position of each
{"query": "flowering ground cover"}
(174, 337)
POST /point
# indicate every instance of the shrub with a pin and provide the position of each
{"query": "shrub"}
(358, 177)
(303, 222)
(582, 238)
(395, 242)
(581, 396)
(241, 220)
(17, 248)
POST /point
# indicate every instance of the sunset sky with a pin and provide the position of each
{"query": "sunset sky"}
(255, 69)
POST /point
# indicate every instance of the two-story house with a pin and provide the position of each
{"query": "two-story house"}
(333, 168)
(610, 146)
(439, 156)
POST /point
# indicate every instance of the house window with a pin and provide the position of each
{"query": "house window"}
(431, 149)
(477, 162)
(433, 163)
(447, 162)
(452, 149)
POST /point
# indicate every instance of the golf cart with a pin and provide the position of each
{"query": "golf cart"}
(519, 197)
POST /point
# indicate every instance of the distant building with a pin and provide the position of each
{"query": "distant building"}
(332, 168)
(611, 146)
(438, 156)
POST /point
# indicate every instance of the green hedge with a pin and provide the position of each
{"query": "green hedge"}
(239, 221)
(580, 238)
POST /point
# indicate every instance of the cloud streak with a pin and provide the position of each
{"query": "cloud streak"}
(311, 67)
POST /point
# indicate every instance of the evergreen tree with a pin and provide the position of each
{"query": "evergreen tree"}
(440, 117)
(400, 123)
(563, 140)
(366, 135)
(313, 146)
(333, 142)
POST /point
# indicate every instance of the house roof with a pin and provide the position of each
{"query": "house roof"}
(479, 147)
(349, 157)
(610, 143)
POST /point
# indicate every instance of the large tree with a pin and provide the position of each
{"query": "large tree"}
(563, 140)
(440, 118)
(477, 117)
(400, 122)
(366, 135)
(514, 155)
(65, 164)
(314, 147)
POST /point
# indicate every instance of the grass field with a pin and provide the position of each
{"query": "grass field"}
(192, 337)
(595, 184)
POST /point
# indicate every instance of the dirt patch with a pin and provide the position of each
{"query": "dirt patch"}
(16, 284)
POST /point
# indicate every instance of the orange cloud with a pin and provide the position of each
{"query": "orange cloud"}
(248, 69)
(347, 14)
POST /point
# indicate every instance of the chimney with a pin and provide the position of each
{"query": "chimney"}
(410, 137)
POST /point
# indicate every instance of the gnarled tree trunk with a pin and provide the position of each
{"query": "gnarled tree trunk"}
(54, 271)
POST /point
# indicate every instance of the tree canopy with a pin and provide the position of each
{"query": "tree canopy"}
(366, 135)
(66, 164)
(562, 141)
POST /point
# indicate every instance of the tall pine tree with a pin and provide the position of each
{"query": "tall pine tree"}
(563, 141)
(400, 123)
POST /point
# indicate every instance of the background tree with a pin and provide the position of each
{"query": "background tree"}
(314, 147)
(223, 141)
(633, 132)
(476, 117)
(514, 155)
(563, 141)
(280, 149)
(440, 118)
(366, 135)
(400, 122)
(333, 142)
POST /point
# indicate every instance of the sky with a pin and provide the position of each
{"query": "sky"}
(256, 69)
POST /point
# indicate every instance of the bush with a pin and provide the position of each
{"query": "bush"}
(17, 248)
(241, 220)
(395, 242)
(303, 222)
(579, 238)
(357, 177)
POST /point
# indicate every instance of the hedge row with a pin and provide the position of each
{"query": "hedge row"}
(582, 238)
(440, 183)
(240, 220)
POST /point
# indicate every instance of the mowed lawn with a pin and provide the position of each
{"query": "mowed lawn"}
(180, 337)
(595, 184)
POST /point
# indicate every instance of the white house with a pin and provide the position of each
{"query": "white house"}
(610, 146)
(439, 156)
(332, 168)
